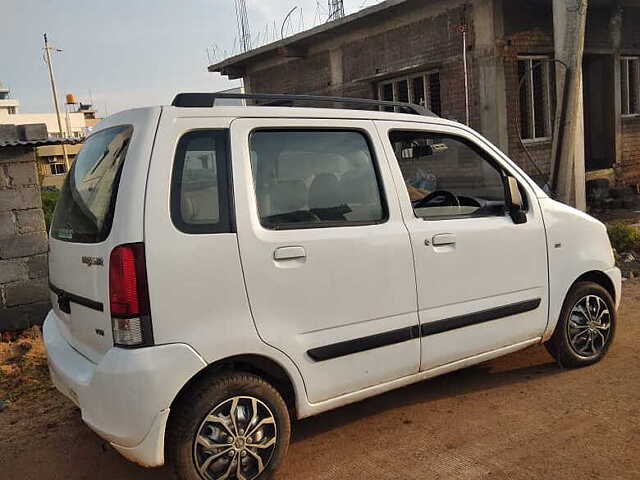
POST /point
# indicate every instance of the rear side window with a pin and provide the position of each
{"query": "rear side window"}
(84, 212)
(315, 178)
(199, 186)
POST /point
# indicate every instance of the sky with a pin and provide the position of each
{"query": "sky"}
(131, 53)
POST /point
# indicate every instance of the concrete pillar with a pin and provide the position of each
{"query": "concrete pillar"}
(246, 84)
(568, 164)
(337, 77)
(488, 24)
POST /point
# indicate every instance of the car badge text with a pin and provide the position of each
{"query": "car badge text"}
(89, 261)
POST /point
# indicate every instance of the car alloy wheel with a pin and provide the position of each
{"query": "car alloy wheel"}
(235, 440)
(589, 326)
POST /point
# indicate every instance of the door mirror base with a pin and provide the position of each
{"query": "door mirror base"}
(515, 205)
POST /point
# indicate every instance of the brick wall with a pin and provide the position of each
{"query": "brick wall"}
(629, 173)
(631, 28)
(305, 75)
(24, 296)
(598, 34)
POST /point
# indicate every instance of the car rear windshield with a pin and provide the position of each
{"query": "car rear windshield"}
(84, 211)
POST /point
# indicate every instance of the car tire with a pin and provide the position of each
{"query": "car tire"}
(202, 426)
(586, 326)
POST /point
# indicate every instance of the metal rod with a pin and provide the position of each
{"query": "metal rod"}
(285, 21)
(54, 92)
(466, 75)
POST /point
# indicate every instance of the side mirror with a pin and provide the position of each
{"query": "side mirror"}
(515, 205)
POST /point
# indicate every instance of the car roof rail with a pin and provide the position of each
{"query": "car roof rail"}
(278, 99)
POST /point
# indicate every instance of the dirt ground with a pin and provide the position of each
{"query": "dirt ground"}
(519, 417)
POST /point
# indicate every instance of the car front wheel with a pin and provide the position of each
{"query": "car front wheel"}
(586, 326)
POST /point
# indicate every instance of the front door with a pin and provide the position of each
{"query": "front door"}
(326, 256)
(482, 280)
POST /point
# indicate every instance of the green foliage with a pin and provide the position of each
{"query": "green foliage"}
(624, 238)
(49, 199)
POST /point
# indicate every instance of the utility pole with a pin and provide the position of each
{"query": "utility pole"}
(47, 51)
(568, 168)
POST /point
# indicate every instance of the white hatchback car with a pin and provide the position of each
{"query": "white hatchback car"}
(218, 271)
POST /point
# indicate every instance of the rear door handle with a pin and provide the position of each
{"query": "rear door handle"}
(443, 239)
(289, 253)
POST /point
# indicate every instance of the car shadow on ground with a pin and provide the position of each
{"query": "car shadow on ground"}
(519, 367)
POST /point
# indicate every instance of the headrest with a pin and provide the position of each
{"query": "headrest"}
(324, 192)
(359, 187)
(188, 208)
(288, 196)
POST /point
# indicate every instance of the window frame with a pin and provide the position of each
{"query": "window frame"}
(327, 224)
(409, 78)
(546, 67)
(226, 220)
(632, 68)
(54, 164)
(484, 154)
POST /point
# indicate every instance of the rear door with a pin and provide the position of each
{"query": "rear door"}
(325, 254)
(100, 207)
(481, 278)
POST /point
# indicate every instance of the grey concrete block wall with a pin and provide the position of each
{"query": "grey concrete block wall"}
(24, 292)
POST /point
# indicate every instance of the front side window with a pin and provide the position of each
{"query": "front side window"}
(534, 77)
(630, 85)
(84, 211)
(199, 186)
(315, 178)
(447, 176)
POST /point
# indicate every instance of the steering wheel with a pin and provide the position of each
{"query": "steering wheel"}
(449, 199)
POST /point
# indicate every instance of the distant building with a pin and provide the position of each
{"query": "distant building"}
(8, 106)
(48, 152)
(74, 124)
(52, 168)
(90, 118)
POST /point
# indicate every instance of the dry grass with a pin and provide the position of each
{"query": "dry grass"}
(23, 366)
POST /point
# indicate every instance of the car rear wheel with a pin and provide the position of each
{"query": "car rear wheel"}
(586, 326)
(235, 426)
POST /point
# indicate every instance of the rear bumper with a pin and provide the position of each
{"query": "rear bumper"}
(125, 398)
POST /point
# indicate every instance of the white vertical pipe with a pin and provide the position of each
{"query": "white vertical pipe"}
(466, 74)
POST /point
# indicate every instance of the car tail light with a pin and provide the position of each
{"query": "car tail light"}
(129, 296)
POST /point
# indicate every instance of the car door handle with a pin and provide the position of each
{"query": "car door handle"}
(289, 253)
(443, 239)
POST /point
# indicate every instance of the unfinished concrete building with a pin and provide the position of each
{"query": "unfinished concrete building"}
(412, 50)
